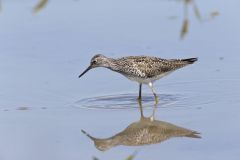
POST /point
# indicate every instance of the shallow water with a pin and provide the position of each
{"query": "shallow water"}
(44, 106)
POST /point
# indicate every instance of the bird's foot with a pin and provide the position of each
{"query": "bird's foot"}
(152, 118)
(139, 99)
(156, 99)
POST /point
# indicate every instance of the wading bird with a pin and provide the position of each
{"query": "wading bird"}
(142, 69)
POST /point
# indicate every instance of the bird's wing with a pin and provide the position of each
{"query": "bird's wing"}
(146, 67)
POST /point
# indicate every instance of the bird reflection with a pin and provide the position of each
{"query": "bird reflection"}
(146, 131)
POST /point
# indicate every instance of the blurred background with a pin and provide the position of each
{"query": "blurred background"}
(45, 45)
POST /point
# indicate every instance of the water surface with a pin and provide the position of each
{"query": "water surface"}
(44, 105)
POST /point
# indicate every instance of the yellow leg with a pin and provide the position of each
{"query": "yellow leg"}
(155, 95)
(153, 113)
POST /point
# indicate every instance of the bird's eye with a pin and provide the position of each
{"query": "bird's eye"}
(94, 62)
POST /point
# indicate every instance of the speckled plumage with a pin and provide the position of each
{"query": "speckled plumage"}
(146, 131)
(142, 69)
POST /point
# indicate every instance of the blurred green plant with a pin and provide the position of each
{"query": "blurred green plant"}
(130, 157)
(185, 24)
(95, 158)
(214, 14)
(40, 6)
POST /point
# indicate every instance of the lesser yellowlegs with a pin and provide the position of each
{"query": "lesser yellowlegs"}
(142, 69)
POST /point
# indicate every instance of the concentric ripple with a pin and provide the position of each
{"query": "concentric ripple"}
(195, 94)
(127, 101)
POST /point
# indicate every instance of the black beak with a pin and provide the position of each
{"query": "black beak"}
(88, 135)
(90, 67)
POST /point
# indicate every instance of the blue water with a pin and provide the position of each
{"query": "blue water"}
(43, 54)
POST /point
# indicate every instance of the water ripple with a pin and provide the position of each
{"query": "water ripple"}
(128, 101)
(205, 93)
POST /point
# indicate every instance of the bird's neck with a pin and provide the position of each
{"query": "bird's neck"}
(112, 64)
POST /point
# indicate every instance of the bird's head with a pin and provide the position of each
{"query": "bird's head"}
(101, 144)
(98, 60)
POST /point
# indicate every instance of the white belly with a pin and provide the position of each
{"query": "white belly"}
(147, 80)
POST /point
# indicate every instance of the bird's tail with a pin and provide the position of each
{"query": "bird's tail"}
(189, 60)
(194, 134)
